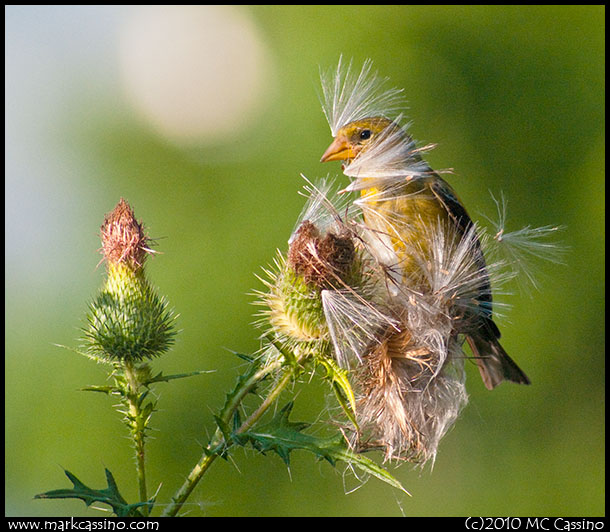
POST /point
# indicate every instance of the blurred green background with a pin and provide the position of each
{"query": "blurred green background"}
(203, 118)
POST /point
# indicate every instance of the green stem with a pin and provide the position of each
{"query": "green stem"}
(137, 426)
(217, 442)
(273, 395)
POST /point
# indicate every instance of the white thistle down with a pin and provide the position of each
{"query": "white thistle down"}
(455, 273)
(325, 213)
(521, 249)
(348, 96)
(407, 359)
(404, 414)
(355, 324)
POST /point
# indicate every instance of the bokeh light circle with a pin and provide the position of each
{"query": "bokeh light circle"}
(197, 74)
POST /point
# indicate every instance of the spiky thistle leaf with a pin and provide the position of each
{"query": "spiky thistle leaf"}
(109, 496)
(282, 436)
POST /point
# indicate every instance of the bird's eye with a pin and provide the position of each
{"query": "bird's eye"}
(365, 134)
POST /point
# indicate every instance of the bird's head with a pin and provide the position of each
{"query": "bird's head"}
(355, 137)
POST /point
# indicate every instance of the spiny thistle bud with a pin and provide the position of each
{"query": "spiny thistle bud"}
(322, 258)
(314, 264)
(128, 320)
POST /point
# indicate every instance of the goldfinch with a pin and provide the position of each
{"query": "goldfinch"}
(423, 235)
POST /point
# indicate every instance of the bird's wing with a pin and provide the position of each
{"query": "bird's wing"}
(448, 198)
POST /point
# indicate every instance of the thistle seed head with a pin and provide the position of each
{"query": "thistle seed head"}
(322, 261)
(409, 393)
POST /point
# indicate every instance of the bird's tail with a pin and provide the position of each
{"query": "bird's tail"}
(494, 364)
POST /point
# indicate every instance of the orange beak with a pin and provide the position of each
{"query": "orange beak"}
(339, 150)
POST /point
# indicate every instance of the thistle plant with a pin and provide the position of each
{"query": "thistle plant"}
(383, 285)
(129, 324)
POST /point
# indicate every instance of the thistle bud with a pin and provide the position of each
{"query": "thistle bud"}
(322, 258)
(314, 263)
(128, 320)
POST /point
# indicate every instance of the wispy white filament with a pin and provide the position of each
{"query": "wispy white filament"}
(348, 96)
(391, 157)
(324, 207)
(355, 324)
(521, 249)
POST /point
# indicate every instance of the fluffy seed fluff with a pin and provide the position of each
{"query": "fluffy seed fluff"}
(521, 249)
(391, 158)
(410, 381)
(402, 351)
(348, 96)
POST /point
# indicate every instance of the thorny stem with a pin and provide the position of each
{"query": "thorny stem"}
(217, 442)
(137, 425)
(273, 395)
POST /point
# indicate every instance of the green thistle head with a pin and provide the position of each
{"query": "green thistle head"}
(128, 321)
(317, 262)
